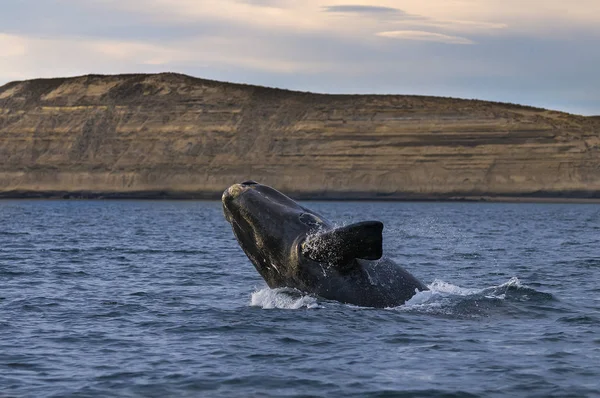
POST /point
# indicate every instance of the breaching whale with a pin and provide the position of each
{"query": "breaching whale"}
(292, 246)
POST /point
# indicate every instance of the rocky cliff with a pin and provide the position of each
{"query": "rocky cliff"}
(177, 136)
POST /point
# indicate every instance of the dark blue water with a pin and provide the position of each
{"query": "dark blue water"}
(128, 298)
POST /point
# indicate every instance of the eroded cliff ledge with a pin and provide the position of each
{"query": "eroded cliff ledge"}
(177, 136)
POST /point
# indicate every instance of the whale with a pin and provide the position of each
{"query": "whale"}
(294, 247)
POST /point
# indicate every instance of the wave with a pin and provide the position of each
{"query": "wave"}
(509, 298)
(442, 298)
(119, 250)
(440, 289)
(282, 298)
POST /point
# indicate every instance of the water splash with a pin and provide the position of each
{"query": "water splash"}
(447, 299)
(313, 241)
(437, 294)
(282, 298)
(442, 298)
(439, 288)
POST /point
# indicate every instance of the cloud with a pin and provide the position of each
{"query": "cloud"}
(30, 57)
(361, 9)
(476, 27)
(263, 3)
(532, 52)
(377, 12)
(420, 35)
(12, 46)
(534, 17)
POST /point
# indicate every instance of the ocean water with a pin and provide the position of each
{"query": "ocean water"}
(155, 298)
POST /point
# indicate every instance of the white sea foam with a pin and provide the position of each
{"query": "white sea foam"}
(439, 295)
(513, 282)
(439, 286)
(438, 289)
(441, 292)
(282, 298)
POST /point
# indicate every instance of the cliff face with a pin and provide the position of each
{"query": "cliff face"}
(168, 134)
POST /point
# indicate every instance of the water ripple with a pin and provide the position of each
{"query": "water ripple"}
(144, 298)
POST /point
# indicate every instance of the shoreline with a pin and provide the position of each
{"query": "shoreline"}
(539, 197)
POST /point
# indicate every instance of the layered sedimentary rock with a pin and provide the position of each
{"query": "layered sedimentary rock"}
(177, 136)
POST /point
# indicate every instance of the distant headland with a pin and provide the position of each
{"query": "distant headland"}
(175, 136)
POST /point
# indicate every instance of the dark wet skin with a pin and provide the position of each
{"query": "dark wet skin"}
(273, 230)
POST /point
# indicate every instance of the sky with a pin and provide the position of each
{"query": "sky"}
(537, 52)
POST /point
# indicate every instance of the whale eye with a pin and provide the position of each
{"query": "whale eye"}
(309, 219)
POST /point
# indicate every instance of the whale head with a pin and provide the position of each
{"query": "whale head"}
(270, 227)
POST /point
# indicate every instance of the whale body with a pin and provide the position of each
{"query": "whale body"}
(292, 246)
